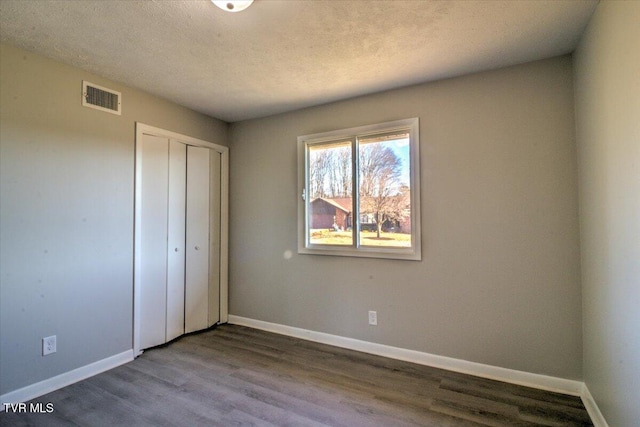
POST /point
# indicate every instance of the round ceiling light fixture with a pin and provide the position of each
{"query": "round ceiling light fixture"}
(233, 5)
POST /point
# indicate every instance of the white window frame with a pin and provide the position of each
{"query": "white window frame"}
(357, 250)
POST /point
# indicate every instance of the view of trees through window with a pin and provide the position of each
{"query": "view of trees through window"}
(383, 199)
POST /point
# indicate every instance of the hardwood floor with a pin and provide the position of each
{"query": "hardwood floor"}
(236, 376)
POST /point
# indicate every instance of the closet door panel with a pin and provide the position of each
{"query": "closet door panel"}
(153, 243)
(176, 239)
(197, 250)
(214, 233)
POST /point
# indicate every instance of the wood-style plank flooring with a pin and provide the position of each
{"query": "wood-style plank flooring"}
(237, 376)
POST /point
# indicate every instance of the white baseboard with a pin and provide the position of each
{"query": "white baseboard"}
(592, 408)
(47, 386)
(558, 385)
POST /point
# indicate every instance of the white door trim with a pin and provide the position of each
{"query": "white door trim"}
(142, 129)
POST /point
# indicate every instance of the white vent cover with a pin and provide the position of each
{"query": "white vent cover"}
(101, 98)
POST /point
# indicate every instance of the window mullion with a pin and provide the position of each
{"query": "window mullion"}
(355, 191)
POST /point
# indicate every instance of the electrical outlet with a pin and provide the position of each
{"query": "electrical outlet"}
(373, 318)
(49, 345)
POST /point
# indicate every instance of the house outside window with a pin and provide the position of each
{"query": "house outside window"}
(380, 218)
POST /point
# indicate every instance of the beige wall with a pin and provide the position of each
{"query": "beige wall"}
(66, 214)
(499, 282)
(607, 75)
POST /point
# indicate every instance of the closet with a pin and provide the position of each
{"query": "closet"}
(180, 236)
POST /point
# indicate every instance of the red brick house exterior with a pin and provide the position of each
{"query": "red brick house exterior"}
(328, 213)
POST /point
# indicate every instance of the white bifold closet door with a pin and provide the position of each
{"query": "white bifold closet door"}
(179, 239)
(176, 230)
(196, 306)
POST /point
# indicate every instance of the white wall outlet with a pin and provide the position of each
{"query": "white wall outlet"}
(373, 318)
(49, 345)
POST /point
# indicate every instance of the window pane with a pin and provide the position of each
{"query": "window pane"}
(385, 192)
(330, 194)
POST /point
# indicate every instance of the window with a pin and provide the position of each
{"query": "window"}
(360, 192)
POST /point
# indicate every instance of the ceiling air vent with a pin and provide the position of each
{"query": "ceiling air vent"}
(101, 98)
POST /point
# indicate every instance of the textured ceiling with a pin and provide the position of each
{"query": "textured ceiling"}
(279, 55)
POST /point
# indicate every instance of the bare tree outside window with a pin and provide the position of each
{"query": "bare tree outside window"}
(330, 170)
(330, 204)
(383, 195)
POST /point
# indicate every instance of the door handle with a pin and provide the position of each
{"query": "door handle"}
(197, 248)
